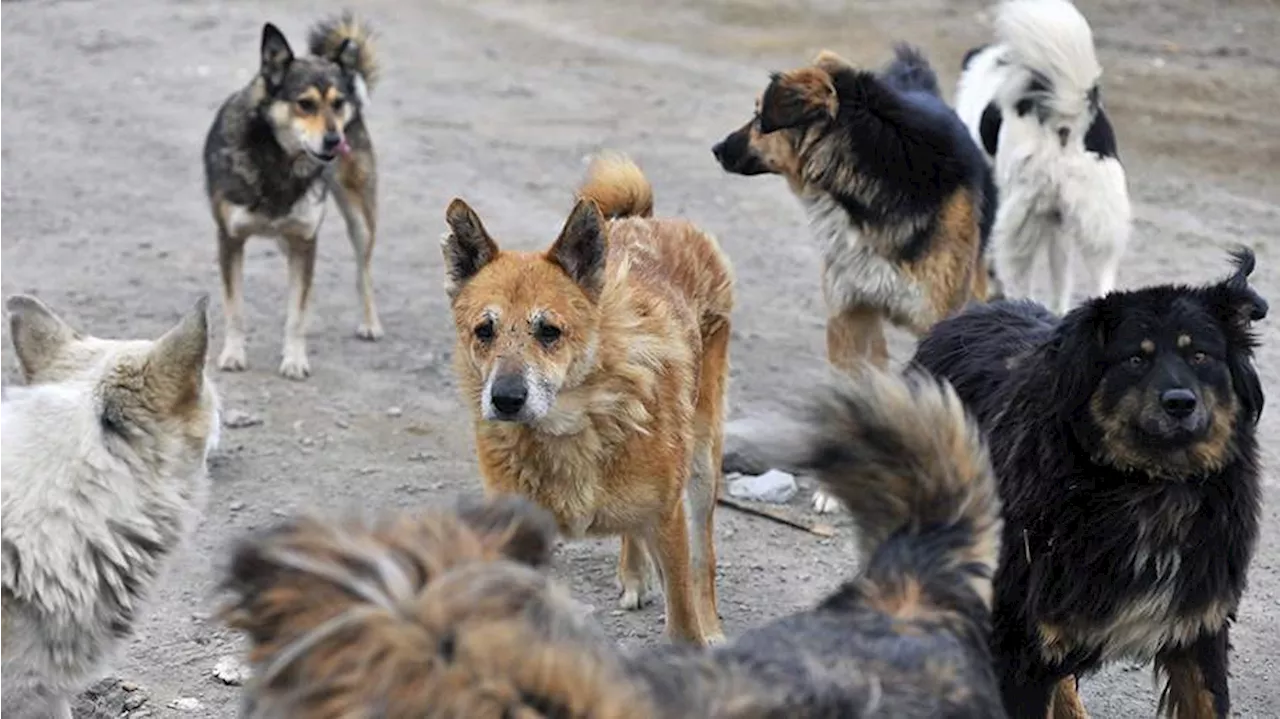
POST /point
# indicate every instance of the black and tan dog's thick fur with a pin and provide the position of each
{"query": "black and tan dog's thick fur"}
(449, 614)
(275, 150)
(896, 191)
(1123, 438)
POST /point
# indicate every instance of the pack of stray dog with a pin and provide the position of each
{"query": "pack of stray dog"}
(1043, 491)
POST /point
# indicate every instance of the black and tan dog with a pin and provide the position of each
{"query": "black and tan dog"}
(1123, 438)
(449, 614)
(896, 191)
(275, 150)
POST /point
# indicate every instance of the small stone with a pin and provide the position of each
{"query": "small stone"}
(394, 411)
(342, 423)
(134, 700)
(774, 486)
(367, 471)
(128, 686)
(239, 419)
(236, 506)
(421, 457)
(186, 704)
(279, 513)
(231, 671)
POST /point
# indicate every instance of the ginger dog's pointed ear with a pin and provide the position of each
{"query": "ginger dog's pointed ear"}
(467, 246)
(580, 250)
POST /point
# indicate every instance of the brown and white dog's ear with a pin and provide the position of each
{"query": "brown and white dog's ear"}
(467, 247)
(514, 526)
(38, 333)
(175, 365)
(796, 98)
(580, 250)
(276, 55)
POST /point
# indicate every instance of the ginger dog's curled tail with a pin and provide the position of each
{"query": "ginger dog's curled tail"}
(442, 614)
(348, 41)
(617, 186)
(911, 466)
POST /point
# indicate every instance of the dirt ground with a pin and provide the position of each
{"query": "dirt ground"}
(500, 101)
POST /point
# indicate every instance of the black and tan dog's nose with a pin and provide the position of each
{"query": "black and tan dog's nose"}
(331, 141)
(718, 151)
(1178, 403)
(509, 394)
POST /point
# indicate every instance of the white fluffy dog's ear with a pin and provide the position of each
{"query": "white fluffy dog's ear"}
(38, 333)
(176, 362)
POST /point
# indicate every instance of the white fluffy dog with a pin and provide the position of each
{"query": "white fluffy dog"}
(104, 468)
(1032, 102)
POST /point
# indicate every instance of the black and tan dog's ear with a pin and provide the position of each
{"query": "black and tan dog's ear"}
(1076, 353)
(513, 526)
(831, 62)
(467, 246)
(38, 333)
(276, 55)
(1245, 304)
(797, 97)
(580, 250)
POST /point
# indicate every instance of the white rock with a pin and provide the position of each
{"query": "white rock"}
(230, 670)
(774, 486)
(186, 704)
(237, 419)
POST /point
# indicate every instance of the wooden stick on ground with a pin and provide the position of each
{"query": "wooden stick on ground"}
(822, 530)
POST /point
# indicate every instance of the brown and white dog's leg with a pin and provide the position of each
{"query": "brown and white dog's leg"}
(358, 202)
(1196, 679)
(705, 475)
(855, 335)
(231, 265)
(1066, 703)
(301, 254)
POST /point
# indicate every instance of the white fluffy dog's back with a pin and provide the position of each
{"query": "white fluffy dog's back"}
(104, 468)
(1032, 102)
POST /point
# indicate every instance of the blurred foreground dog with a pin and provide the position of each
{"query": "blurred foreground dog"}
(596, 371)
(104, 477)
(275, 151)
(1123, 438)
(1032, 101)
(448, 614)
(899, 197)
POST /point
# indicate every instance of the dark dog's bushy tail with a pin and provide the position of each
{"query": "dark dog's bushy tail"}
(442, 614)
(617, 186)
(910, 71)
(911, 466)
(348, 41)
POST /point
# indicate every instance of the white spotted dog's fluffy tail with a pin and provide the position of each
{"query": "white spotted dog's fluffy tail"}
(1050, 45)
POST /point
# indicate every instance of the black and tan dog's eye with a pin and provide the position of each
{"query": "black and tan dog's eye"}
(1136, 361)
(484, 331)
(1198, 358)
(307, 105)
(547, 334)
(338, 104)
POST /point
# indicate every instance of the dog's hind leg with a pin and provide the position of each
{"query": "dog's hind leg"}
(635, 573)
(1196, 679)
(356, 195)
(231, 265)
(705, 475)
(1059, 271)
(301, 254)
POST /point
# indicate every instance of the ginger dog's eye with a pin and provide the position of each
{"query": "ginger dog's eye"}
(484, 331)
(548, 334)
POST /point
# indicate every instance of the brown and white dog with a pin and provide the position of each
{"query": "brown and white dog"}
(897, 193)
(596, 375)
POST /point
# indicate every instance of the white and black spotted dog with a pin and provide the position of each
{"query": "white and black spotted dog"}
(1032, 101)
